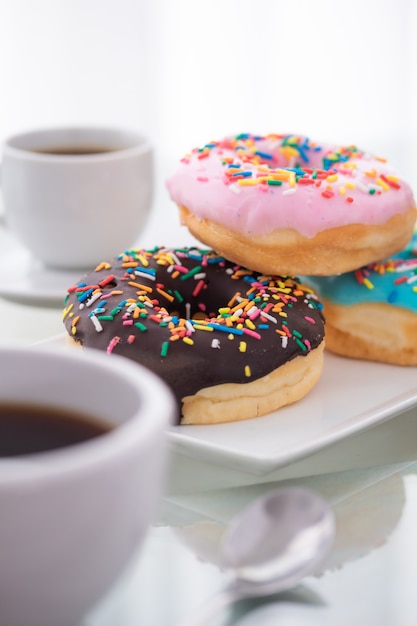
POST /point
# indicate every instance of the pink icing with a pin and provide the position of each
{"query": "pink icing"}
(355, 193)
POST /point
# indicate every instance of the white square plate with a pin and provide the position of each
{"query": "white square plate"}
(350, 397)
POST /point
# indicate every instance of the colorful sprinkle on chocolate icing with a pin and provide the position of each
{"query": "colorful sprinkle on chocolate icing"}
(193, 317)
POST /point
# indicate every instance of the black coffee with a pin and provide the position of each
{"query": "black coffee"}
(76, 150)
(28, 429)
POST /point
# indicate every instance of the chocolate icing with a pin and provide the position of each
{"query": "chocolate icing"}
(144, 305)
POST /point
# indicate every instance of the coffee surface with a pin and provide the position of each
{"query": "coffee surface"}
(76, 150)
(26, 429)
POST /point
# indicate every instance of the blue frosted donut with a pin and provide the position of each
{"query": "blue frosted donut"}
(371, 313)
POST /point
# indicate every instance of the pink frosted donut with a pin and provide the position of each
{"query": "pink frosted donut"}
(288, 205)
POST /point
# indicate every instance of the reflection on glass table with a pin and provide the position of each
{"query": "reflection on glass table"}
(369, 578)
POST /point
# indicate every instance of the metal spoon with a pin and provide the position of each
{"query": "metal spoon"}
(273, 544)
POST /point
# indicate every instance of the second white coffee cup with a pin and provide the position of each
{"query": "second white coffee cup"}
(77, 196)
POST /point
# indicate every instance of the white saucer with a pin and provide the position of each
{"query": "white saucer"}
(24, 279)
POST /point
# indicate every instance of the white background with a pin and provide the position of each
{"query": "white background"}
(187, 72)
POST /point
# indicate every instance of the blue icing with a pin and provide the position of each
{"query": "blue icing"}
(377, 282)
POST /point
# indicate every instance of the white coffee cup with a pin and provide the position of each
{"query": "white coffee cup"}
(70, 519)
(77, 196)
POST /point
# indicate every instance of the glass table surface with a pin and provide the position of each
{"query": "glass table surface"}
(370, 577)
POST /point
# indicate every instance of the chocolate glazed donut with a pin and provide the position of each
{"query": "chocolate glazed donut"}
(214, 331)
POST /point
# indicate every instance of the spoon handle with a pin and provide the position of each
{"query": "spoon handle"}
(211, 608)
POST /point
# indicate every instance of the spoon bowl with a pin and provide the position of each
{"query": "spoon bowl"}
(271, 546)
(278, 540)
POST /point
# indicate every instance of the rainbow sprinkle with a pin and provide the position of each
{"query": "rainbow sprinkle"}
(159, 301)
(254, 167)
